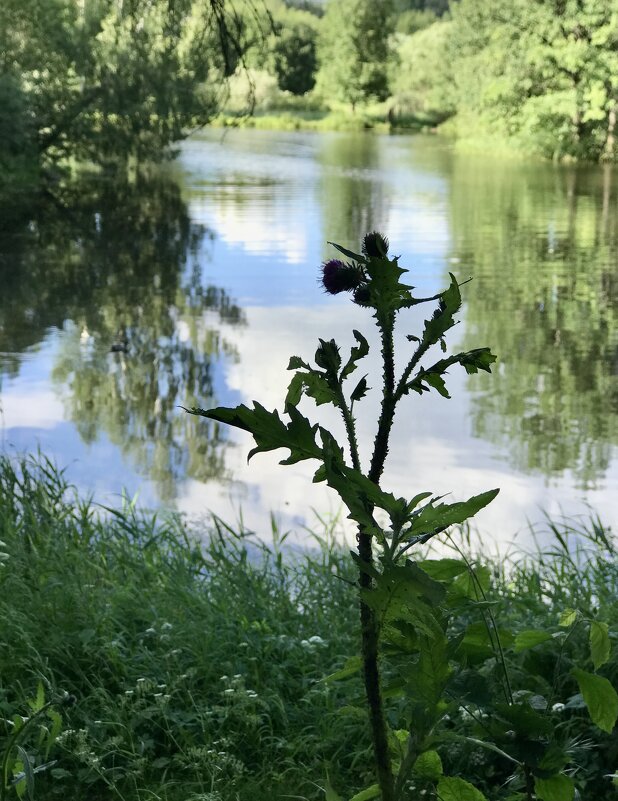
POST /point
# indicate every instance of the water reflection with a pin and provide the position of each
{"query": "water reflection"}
(114, 267)
(542, 243)
(119, 300)
(351, 189)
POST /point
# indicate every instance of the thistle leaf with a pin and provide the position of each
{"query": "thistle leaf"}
(360, 390)
(472, 361)
(349, 253)
(437, 518)
(357, 353)
(269, 431)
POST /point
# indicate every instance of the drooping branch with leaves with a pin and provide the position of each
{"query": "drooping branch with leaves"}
(413, 648)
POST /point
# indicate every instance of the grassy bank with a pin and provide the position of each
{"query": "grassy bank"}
(196, 669)
(297, 120)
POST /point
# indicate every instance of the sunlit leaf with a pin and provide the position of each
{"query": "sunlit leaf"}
(556, 788)
(428, 765)
(600, 698)
(367, 794)
(568, 617)
(600, 645)
(451, 788)
(530, 638)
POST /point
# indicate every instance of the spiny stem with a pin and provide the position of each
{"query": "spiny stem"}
(371, 670)
(417, 356)
(369, 625)
(387, 414)
(350, 428)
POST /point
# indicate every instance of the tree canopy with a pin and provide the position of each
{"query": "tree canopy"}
(102, 80)
(353, 51)
(542, 74)
(98, 79)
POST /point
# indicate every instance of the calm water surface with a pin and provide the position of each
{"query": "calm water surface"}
(195, 285)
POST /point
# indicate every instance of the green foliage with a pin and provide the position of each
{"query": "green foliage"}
(112, 606)
(414, 20)
(18, 767)
(541, 75)
(435, 623)
(454, 789)
(194, 654)
(600, 698)
(106, 81)
(422, 80)
(295, 58)
(353, 52)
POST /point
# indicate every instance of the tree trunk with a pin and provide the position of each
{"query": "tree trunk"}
(610, 140)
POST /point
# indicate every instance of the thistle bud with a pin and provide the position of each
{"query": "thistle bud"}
(362, 296)
(375, 245)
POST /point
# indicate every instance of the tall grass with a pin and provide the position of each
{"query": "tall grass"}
(195, 664)
(197, 658)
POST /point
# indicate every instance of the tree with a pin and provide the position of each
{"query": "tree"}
(422, 81)
(541, 74)
(295, 58)
(353, 51)
(106, 80)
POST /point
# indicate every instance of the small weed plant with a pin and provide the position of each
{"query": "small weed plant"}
(439, 670)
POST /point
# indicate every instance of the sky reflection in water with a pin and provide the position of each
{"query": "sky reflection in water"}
(215, 289)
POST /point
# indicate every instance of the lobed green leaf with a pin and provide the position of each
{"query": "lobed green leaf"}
(432, 518)
(357, 353)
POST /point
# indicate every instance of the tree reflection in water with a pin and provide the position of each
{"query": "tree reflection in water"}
(542, 242)
(114, 264)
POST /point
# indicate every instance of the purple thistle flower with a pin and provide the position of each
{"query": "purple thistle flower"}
(337, 276)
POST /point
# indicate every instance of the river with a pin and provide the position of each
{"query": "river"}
(195, 284)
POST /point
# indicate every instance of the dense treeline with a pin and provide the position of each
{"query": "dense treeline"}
(103, 80)
(539, 76)
(106, 79)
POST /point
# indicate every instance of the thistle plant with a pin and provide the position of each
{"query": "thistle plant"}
(409, 650)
